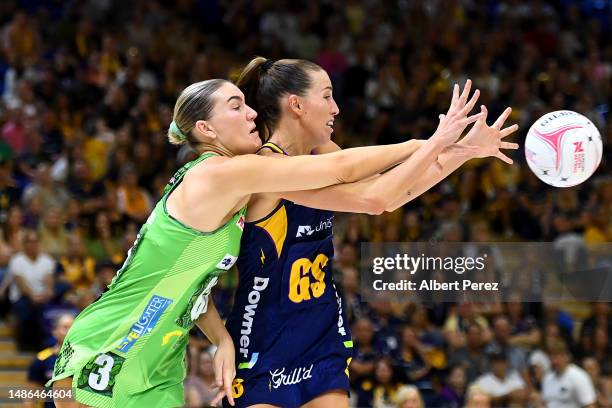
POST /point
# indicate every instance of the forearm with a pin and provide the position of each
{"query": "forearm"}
(429, 178)
(369, 160)
(211, 324)
(394, 184)
(371, 195)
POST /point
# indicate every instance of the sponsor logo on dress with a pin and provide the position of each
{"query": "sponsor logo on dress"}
(249, 364)
(304, 230)
(145, 324)
(240, 222)
(297, 375)
(227, 262)
(259, 285)
(307, 230)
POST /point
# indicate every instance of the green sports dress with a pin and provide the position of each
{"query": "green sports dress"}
(128, 348)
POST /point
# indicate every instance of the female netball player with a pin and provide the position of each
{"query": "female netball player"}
(288, 326)
(128, 348)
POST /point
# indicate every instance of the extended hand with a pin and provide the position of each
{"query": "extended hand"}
(454, 122)
(487, 140)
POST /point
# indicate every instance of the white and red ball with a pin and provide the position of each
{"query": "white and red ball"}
(563, 148)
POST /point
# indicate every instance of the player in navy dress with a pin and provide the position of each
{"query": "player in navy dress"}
(291, 336)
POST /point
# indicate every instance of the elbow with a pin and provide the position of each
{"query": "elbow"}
(346, 168)
(374, 205)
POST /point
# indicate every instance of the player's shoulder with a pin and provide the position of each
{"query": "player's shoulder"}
(45, 354)
(205, 169)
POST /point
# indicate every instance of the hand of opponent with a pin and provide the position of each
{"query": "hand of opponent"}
(225, 371)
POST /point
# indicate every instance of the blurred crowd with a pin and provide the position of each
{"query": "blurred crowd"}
(87, 90)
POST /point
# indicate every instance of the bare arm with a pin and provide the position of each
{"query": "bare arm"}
(372, 195)
(488, 141)
(224, 360)
(212, 326)
(378, 193)
(251, 173)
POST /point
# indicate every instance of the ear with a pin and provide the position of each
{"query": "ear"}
(204, 130)
(295, 105)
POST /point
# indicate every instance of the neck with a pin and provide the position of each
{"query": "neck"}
(290, 137)
(208, 148)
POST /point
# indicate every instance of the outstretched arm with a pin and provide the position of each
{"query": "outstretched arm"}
(251, 173)
(380, 192)
(487, 140)
(309, 172)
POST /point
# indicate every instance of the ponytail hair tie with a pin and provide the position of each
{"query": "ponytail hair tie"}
(177, 131)
(267, 65)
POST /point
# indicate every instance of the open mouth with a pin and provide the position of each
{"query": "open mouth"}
(254, 130)
(330, 124)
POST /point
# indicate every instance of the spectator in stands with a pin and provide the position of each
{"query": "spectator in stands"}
(41, 369)
(413, 363)
(457, 322)
(539, 366)
(516, 356)
(387, 385)
(133, 200)
(602, 350)
(105, 272)
(361, 368)
(386, 325)
(477, 398)
(77, 269)
(14, 229)
(602, 384)
(409, 397)
(503, 383)
(200, 384)
(44, 188)
(355, 307)
(453, 391)
(525, 332)
(31, 272)
(9, 193)
(102, 242)
(567, 384)
(472, 356)
(600, 316)
(53, 235)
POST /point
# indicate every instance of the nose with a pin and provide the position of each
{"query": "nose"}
(251, 113)
(335, 109)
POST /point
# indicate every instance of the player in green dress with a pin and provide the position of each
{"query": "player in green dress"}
(128, 348)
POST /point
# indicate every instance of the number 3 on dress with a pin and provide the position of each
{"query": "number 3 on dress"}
(99, 381)
(99, 374)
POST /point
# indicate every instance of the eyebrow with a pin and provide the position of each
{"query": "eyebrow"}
(234, 97)
(328, 87)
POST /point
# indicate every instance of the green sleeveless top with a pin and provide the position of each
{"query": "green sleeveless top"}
(140, 326)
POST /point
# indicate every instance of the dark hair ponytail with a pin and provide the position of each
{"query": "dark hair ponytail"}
(264, 81)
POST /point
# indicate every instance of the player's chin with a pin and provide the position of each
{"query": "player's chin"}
(328, 133)
(249, 147)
